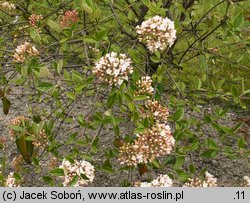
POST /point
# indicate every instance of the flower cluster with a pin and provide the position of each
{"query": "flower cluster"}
(144, 86)
(209, 181)
(160, 181)
(155, 109)
(113, 68)
(7, 5)
(34, 21)
(157, 33)
(18, 122)
(150, 144)
(69, 18)
(40, 139)
(23, 50)
(11, 181)
(246, 181)
(82, 169)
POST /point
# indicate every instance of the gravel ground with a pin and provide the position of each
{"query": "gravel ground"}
(229, 172)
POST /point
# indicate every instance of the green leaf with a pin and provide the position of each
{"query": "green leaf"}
(59, 66)
(170, 160)
(141, 97)
(107, 167)
(238, 21)
(191, 168)
(241, 142)
(6, 105)
(95, 142)
(17, 128)
(86, 7)
(47, 179)
(30, 138)
(178, 115)
(111, 100)
(101, 35)
(84, 177)
(156, 163)
(116, 130)
(57, 172)
(44, 86)
(183, 176)
(235, 91)
(179, 162)
(35, 36)
(155, 59)
(139, 130)
(54, 26)
(90, 39)
(211, 144)
(71, 95)
(73, 181)
(25, 148)
(210, 153)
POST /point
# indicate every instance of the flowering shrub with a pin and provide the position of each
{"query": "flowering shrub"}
(139, 88)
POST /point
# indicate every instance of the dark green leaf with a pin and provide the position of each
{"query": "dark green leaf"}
(57, 172)
(6, 105)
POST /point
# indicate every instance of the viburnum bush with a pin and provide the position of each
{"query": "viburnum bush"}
(125, 89)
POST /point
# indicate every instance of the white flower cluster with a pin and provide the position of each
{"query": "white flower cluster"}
(80, 169)
(246, 181)
(159, 112)
(11, 181)
(157, 33)
(23, 50)
(7, 5)
(160, 181)
(150, 144)
(144, 86)
(113, 68)
(209, 181)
